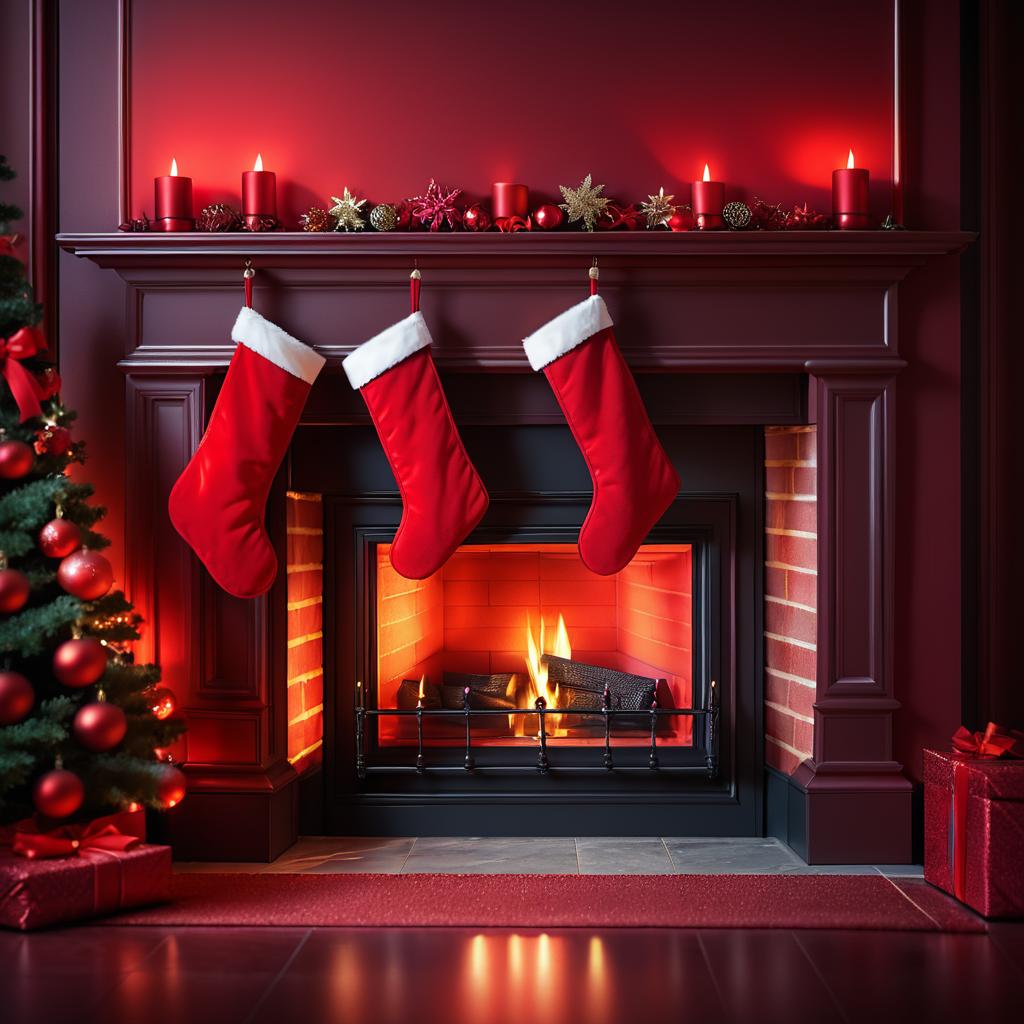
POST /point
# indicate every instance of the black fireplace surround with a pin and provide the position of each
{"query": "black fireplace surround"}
(540, 492)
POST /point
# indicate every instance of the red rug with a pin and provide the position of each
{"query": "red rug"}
(557, 901)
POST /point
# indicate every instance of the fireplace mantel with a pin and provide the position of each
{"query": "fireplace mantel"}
(820, 304)
(759, 301)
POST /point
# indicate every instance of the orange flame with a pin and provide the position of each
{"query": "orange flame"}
(707, 173)
(258, 166)
(423, 683)
(849, 162)
(174, 167)
(536, 667)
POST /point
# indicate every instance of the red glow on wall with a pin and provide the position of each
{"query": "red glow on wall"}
(460, 109)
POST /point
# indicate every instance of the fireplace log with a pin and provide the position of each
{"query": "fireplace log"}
(486, 692)
(409, 695)
(582, 686)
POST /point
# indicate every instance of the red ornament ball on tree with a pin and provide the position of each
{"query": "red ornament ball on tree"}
(162, 702)
(58, 793)
(548, 217)
(86, 574)
(172, 786)
(14, 590)
(16, 697)
(53, 441)
(59, 538)
(100, 726)
(16, 459)
(80, 662)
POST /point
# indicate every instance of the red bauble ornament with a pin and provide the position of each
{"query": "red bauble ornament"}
(476, 218)
(14, 590)
(86, 574)
(172, 786)
(80, 662)
(53, 441)
(403, 216)
(59, 538)
(162, 702)
(16, 697)
(58, 793)
(681, 220)
(548, 217)
(100, 726)
(16, 459)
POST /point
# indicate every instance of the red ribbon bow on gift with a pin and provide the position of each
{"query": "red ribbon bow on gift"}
(23, 344)
(114, 833)
(995, 741)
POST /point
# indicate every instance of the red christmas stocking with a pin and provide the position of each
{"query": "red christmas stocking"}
(218, 502)
(443, 497)
(634, 482)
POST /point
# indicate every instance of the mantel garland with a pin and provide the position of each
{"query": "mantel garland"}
(585, 208)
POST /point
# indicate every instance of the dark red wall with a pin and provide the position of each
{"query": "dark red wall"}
(384, 95)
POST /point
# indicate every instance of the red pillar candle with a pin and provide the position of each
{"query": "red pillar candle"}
(850, 196)
(509, 199)
(259, 193)
(707, 200)
(173, 201)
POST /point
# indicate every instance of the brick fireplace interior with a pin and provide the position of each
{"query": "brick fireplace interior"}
(495, 610)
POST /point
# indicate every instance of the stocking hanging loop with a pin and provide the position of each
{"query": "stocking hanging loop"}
(594, 273)
(414, 288)
(248, 274)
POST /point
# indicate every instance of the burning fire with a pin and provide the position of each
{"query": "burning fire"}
(423, 683)
(258, 165)
(707, 173)
(849, 162)
(537, 669)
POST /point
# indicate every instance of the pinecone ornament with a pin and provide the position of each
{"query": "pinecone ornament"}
(384, 217)
(219, 217)
(316, 218)
(736, 215)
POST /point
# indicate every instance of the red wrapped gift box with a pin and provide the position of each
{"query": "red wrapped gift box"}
(76, 872)
(974, 830)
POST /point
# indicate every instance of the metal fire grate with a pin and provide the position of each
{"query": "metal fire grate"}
(708, 715)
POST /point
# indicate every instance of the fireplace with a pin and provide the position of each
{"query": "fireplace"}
(503, 626)
(728, 335)
(516, 691)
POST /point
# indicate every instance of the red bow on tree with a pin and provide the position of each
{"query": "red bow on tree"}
(23, 344)
(995, 741)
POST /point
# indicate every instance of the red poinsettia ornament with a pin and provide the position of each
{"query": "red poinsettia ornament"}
(436, 207)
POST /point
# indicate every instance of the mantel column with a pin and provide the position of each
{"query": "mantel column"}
(224, 658)
(858, 803)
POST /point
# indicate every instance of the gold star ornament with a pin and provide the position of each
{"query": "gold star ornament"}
(658, 209)
(584, 203)
(346, 212)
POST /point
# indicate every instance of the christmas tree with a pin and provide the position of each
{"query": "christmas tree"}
(83, 729)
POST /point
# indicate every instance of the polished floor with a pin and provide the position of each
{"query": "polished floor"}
(546, 855)
(457, 976)
(233, 975)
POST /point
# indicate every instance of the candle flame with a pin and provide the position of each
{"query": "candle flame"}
(174, 167)
(849, 162)
(423, 681)
(258, 166)
(707, 173)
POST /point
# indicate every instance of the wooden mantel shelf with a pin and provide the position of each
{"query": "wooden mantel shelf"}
(121, 249)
